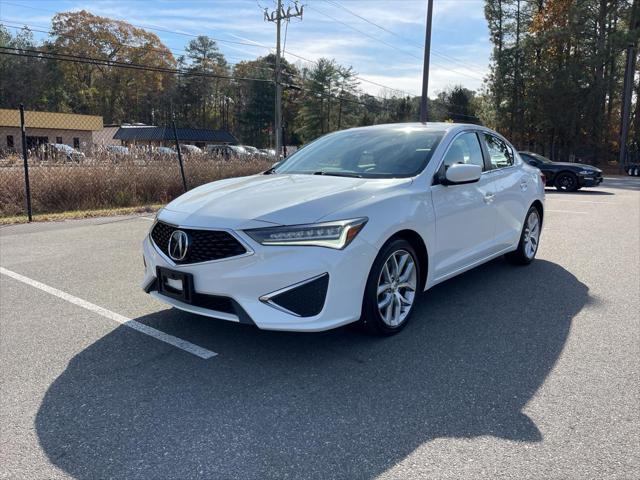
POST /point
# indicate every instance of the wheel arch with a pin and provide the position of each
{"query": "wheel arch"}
(538, 205)
(417, 242)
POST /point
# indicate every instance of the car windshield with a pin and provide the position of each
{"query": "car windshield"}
(369, 153)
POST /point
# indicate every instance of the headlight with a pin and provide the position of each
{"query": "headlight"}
(587, 172)
(336, 235)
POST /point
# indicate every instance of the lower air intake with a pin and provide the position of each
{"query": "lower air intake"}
(305, 300)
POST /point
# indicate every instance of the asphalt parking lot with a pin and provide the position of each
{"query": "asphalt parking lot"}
(511, 372)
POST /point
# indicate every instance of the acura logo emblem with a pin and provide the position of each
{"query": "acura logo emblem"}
(178, 245)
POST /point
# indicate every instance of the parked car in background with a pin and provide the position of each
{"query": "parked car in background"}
(61, 151)
(270, 152)
(251, 150)
(566, 177)
(215, 149)
(352, 227)
(117, 149)
(190, 149)
(166, 151)
(633, 169)
(239, 150)
(258, 152)
(225, 151)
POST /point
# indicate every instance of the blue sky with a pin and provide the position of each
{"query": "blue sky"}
(391, 55)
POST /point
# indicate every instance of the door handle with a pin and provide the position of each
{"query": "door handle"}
(488, 197)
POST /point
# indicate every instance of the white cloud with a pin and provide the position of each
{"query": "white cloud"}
(439, 79)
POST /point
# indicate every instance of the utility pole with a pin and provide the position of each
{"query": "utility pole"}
(277, 16)
(425, 67)
(626, 104)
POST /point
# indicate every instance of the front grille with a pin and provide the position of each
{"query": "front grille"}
(306, 300)
(204, 245)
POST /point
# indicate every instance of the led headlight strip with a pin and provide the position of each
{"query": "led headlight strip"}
(336, 234)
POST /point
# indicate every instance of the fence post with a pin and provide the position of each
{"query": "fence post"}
(26, 165)
(175, 136)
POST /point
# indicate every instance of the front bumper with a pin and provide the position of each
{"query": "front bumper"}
(245, 279)
(590, 180)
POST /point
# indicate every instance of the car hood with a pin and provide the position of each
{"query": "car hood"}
(277, 199)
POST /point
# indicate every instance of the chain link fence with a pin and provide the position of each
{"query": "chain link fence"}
(74, 162)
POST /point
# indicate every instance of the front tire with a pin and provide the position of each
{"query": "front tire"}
(529, 239)
(566, 182)
(392, 289)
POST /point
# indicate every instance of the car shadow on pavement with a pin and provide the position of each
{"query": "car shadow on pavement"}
(582, 192)
(337, 404)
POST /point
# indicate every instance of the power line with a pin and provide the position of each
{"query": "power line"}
(29, 53)
(390, 45)
(100, 62)
(365, 33)
(257, 67)
(140, 47)
(409, 41)
(254, 44)
(153, 28)
(315, 62)
(113, 63)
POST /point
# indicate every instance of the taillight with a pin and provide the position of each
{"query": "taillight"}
(543, 178)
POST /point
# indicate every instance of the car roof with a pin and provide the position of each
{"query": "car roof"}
(428, 126)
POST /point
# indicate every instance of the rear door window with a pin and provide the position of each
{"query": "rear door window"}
(500, 153)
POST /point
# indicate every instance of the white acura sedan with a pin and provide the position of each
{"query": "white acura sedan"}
(351, 227)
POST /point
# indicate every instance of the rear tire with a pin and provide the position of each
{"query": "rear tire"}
(529, 239)
(392, 289)
(566, 182)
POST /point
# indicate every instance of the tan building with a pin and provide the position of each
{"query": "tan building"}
(47, 127)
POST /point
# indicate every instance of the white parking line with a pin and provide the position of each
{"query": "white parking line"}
(127, 322)
(582, 201)
(564, 211)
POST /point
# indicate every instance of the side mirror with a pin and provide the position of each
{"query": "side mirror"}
(460, 173)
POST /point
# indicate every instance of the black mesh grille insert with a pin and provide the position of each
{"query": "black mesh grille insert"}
(306, 300)
(204, 245)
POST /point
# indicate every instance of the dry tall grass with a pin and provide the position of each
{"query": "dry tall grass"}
(110, 182)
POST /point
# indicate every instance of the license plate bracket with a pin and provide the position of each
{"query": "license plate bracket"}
(169, 282)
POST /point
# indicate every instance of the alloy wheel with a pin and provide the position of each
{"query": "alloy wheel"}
(566, 182)
(397, 286)
(531, 234)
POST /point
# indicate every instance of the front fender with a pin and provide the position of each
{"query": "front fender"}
(407, 209)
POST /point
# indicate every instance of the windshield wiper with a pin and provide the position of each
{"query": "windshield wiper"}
(337, 174)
